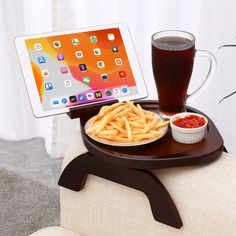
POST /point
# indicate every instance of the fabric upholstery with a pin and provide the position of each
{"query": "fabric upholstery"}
(205, 196)
(54, 231)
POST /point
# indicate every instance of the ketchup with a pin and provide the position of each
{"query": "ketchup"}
(190, 121)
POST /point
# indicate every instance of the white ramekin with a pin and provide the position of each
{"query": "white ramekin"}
(188, 135)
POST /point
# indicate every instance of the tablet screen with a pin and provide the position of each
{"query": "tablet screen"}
(80, 68)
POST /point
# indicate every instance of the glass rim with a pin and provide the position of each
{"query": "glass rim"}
(163, 32)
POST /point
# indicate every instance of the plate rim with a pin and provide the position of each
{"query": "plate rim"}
(124, 144)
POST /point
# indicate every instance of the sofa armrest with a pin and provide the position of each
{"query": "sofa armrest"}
(54, 231)
(205, 196)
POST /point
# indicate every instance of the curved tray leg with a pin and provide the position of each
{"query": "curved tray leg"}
(163, 207)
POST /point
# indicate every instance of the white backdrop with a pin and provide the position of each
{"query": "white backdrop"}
(211, 21)
(16, 119)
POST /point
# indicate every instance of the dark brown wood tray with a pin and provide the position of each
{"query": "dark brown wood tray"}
(162, 153)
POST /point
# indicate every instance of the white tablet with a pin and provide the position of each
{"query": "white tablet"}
(79, 67)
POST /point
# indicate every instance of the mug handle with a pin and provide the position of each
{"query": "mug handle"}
(212, 68)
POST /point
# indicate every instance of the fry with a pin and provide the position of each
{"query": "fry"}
(121, 139)
(146, 136)
(105, 109)
(108, 132)
(101, 125)
(113, 124)
(136, 110)
(136, 124)
(137, 131)
(130, 114)
(91, 130)
(154, 122)
(142, 116)
(128, 128)
(108, 127)
(122, 113)
(115, 111)
(149, 117)
(161, 124)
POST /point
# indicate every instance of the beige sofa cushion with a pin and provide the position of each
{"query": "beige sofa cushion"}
(204, 195)
(54, 231)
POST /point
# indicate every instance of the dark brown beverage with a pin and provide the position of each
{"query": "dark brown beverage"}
(172, 62)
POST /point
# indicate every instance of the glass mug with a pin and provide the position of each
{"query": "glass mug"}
(173, 54)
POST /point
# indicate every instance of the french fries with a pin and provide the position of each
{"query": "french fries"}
(125, 122)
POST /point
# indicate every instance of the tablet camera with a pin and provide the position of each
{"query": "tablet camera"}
(104, 76)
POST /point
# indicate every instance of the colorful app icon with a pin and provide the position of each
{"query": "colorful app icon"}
(98, 94)
(81, 97)
(56, 44)
(45, 73)
(101, 64)
(55, 102)
(73, 99)
(79, 54)
(86, 79)
(104, 76)
(118, 61)
(82, 67)
(64, 100)
(75, 41)
(60, 57)
(97, 51)
(111, 36)
(64, 69)
(122, 74)
(89, 96)
(38, 46)
(93, 39)
(116, 91)
(114, 49)
(124, 90)
(48, 86)
(67, 83)
(108, 92)
(41, 60)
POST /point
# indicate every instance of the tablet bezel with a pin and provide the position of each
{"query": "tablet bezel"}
(29, 79)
